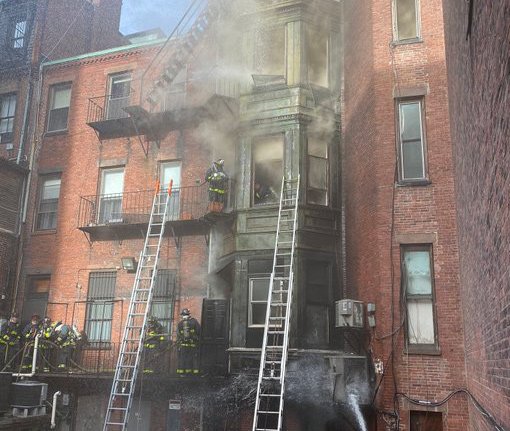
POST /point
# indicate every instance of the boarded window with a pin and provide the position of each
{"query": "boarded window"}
(406, 19)
(270, 51)
(48, 203)
(60, 100)
(417, 282)
(267, 169)
(99, 314)
(318, 57)
(411, 140)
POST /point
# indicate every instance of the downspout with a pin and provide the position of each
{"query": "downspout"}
(34, 360)
(25, 123)
(54, 409)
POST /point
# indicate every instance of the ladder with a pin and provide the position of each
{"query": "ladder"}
(184, 51)
(128, 362)
(273, 362)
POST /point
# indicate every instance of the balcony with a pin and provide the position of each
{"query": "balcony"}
(126, 215)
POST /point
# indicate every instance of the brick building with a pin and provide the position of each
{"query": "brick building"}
(477, 40)
(401, 227)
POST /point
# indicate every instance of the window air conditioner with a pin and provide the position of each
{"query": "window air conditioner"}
(349, 313)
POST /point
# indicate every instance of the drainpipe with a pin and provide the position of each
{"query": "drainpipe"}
(54, 409)
(28, 101)
(34, 360)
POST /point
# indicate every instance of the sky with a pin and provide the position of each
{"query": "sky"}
(139, 15)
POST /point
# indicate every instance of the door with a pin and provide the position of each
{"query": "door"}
(110, 201)
(119, 97)
(171, 171)
(215, 322)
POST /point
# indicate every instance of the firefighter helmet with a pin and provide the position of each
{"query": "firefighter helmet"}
(185, 312)
(220, 162)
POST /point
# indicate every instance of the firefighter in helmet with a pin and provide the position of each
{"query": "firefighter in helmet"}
(10, 337)
(30, 331)
(153, 345)
(218, 182)
(188, 338)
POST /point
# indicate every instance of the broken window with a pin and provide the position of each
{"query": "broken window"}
(7, 113)
(406, 19)
(18, 33)
(99, 313)
(270, 51)
(318, 171)
(417, 283)
(48, 203)
(267, 156)
(411, 140)
(60, 100)
(119, 97)
(258, 291)
(318, 57)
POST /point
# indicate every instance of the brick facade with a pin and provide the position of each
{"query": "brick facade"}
(382, 214)
(479, 90)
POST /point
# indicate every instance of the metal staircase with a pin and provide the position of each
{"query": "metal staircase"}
(184, 49)
(271, 383)
(128, 362)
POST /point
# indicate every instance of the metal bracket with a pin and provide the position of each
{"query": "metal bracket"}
(177, 239)
(207, 237)
(88, 238)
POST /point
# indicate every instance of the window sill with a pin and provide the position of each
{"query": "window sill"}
(414, 183)
(105, 346)
(44, 232)
(406, 42)
(426, 350)
(49, 134)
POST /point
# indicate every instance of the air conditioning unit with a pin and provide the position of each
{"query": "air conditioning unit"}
(28, 394)
(349, 313)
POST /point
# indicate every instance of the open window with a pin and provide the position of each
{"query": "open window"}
(267, 156)
(318, 170)
(36, 298)
(119, 97)
(270, 51)
(171, 171)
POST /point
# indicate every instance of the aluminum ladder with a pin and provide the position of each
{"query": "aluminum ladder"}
(128, 362)
(184, 51)
(273, 362)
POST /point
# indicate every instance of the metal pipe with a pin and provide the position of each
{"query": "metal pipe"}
(54, 409)
(34, 360)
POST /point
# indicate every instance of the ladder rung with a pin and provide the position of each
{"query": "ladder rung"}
(121, 394)
(269, 412)
(270, 395)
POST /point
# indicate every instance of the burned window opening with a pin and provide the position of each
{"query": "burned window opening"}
(267, 170)
(269, 55)
(318, 57)
(318, 171)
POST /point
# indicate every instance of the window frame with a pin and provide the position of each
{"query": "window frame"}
(402, 180)
(418, 37)
(10, 118)
(42, 181)
(114, 105)
(256, 178)
(98, 301)
(13, 36)
(32, 297)
(309, 188)
(51, 100)
(419, 348)
(252, 325)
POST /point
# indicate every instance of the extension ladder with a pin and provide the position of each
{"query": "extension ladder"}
(271, 382)
(184, 51)
(128, 362)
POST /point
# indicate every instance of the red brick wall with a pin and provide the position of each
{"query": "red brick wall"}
(380, 216)
(479, 88)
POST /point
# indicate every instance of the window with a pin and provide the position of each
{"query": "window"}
(411, 141)
(405, 16)
(110, 200)
(318, 171)
(318, 298)
(270, 51)
(259, 290)
(7, 113)
(48, 203)
(36, 301)
(267, 156)
(120, 91)
(18, 33)
(60, 100)
(418, 287)
(99, 313)
(425, 421)
(171, 171)
(318, 57)
(163, 299)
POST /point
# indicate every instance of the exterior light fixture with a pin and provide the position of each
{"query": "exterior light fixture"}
(129, 264)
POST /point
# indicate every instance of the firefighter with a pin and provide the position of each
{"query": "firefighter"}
(218, 182)
(154, 343)
(30, 331)
(10, 338)
(65, 338)
(263, 194)
(188, 337)
(48, 338)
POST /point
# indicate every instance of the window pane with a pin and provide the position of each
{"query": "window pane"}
(411, 141)
(113, 182)
(410, 121)
(258, 316)
(417, 264)
(318, 173)
(317, 53)
(420, 321)
(412, 160)
(61, 97)
(406, 19)
(51, 189)
(318, 147)
(260, 289)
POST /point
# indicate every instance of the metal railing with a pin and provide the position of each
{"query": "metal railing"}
(187, 203)
(103, 108)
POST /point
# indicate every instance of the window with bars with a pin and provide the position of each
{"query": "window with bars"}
(163, 299)
(411, 141)
(60, 100)
(48, 203)
(418, 288)
(7, 115)
(18, 33)
(100, 302)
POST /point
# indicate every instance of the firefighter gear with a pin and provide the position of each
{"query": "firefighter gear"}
(153, 345)
(65, 337)
(28, 335)
(263, 194)
(218, 182)
(48, 338)
(188, 338)
(10, 338)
